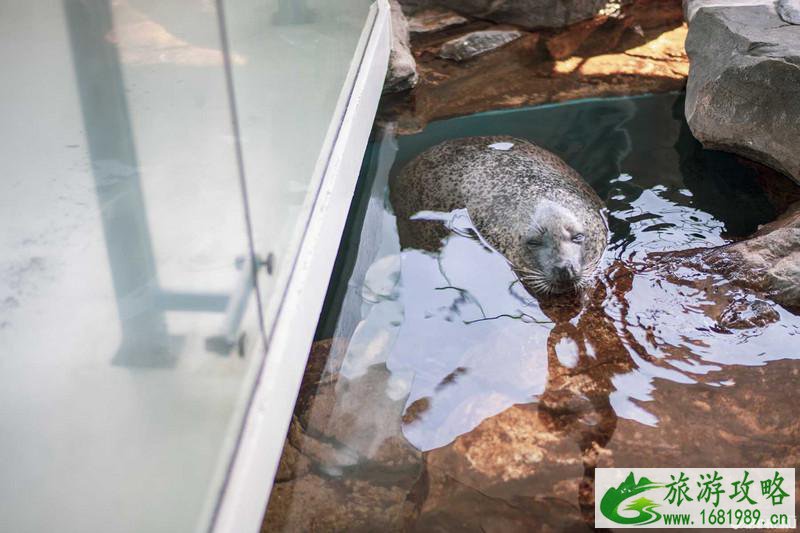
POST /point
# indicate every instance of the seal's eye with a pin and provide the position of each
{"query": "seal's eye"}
(578, 237)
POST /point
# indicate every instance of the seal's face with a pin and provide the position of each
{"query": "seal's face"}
(552, 250)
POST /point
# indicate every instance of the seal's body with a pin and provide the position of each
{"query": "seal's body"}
(525, 201)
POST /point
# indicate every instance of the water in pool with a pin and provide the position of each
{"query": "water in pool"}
(442, 396)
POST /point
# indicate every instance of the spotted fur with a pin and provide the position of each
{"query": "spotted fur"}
(501, 189)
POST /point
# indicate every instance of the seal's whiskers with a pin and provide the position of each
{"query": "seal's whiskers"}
(540, 221)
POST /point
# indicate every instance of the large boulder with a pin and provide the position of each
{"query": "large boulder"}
(743, 93)
(526, 13)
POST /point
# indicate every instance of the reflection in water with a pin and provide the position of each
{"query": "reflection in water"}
(515, 401)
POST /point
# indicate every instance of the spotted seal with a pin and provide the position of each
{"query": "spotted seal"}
(526, 202)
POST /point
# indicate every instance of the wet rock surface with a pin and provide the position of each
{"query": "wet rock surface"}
(743, 93)
(702, 424)
(745, 314)
(314, 503)
(531, 466)
(402, 72)
(514, 472)
(346, 465)
(635, 49)
(434, 19)
(769, 261)
(337, 415)
(477, 43)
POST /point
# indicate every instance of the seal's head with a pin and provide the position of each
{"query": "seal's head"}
(553, 251)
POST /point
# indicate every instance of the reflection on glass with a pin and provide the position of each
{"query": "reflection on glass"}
(296, 58)
(128, 318)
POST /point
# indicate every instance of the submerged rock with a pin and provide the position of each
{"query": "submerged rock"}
(345, 465)
(749, 421)
(316, 503)
(763, 266)
(768, 261)
(402, 73)
(433, 20)
(744, 314)
(293, 464)
(477, 43)
(338, 415)
(743, 93)
(514, 472)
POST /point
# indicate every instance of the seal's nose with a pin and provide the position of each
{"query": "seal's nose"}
(565, 273)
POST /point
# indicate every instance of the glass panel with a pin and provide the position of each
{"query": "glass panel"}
(128, 323)
(289, 80)
(123, 226)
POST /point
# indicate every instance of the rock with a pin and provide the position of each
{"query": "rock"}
(334, 445)
(325, 456)
(781, 191)
(314, 503)
(769, 261)
(767, 264)
(402, 72)
(293, 464)
(745, 314)
(321, 354)
(564, 44)
(527, 468)
(433, 20)
(373, 434)
(691, 7)
(532, 14)
(660, 58)
(743, 93)
(519, 443)
(648, 14)
(789, 10)
(639, 51)
(514, 472)
(476, 43)
(604, 32)
(750, 421)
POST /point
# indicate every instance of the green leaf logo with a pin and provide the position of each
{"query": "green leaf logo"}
(644, 508)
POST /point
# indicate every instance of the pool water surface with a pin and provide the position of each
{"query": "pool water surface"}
(442, 396)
